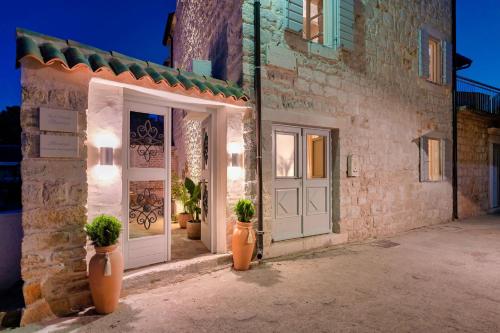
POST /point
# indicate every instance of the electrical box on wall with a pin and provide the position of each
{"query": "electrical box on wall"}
(353, 165)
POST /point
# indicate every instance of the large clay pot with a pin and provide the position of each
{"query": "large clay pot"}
(105, 278)
(194, 230)
(243, 243)
(183, 218)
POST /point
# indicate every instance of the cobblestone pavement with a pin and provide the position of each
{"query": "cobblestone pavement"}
(443, 278)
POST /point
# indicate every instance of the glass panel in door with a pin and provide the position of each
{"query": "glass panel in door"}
(286, 146)
(146, 208)
(147, 140)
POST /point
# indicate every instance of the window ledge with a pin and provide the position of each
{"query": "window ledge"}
(297, 43)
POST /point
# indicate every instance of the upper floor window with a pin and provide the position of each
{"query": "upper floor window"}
(326, 22)
(435, 56)
(435, 61)
(313, 21)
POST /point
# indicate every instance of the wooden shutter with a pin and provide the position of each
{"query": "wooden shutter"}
(424, 159)
(295, 15)
(423, 53)
(447, 52)
(344, 23)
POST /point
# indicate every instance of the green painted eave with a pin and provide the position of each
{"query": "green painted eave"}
(70, 54)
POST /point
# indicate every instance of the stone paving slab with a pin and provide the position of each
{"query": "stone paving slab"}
(442, 278)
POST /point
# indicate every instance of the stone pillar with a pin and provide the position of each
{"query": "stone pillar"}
(54, 194)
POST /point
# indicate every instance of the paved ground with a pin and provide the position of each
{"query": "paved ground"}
(440, 279)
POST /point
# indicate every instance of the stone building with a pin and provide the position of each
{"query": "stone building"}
(356, 131)
(478, 128)
(366, 83)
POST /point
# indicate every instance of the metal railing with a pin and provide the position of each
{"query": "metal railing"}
(477, 95)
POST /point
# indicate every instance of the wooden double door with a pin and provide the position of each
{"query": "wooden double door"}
(301, 182)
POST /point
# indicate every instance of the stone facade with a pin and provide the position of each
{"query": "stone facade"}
(474, 162)
(54, 193)
(372, 99)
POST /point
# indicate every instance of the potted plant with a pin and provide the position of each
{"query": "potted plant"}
(106, 266)
(193, 207)
(179, 192)
(243, 241)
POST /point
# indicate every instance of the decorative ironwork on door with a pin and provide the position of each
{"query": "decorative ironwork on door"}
(205, 150)
(146, 208)
(146, 135)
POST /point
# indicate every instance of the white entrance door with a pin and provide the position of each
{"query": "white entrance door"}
(147, 185)
(206, 186)
(301, 194)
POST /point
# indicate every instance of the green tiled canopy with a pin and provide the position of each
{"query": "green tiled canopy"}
(72, 54)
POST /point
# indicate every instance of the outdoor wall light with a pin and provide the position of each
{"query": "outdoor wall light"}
(235, 161)
(106, 156)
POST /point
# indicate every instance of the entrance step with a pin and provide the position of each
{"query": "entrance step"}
(138, 280)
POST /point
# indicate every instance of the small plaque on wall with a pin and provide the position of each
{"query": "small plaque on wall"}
(57, 120)
(58, 146)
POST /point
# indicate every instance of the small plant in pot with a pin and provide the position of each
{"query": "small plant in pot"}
(193, 207)
(106, 266)
(179, 192)
(243, 241)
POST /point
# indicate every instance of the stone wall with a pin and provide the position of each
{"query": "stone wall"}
(473, 164)
(210, 30)
(374, 98)
(54, 193)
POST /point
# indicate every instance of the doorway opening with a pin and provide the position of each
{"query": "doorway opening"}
(191, 168)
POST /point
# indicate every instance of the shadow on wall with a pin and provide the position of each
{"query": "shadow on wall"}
(11, 235)
(219, 53)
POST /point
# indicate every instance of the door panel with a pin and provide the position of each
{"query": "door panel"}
(301, 191)
(316, 183)
(287, 193)
(206, 186)
(147, 173)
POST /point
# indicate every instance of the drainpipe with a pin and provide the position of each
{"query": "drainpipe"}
(454, 107)
(258, 130)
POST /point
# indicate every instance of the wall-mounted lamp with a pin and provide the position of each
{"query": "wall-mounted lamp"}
(235, 161)
(106, 156)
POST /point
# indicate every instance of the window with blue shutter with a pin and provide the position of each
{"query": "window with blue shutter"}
(423, 53)
(435, 56)
(343, 24)
(326, 22)
(295, 15)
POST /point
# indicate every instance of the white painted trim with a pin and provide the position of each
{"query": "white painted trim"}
(143, 104)
(172, 99)
(219, 180)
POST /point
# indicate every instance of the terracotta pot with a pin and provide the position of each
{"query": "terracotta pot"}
(243, 243)
(105, 278)
(194, 230)
(182, 218)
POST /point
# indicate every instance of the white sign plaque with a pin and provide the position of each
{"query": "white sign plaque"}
(58, 146)
(58, 120)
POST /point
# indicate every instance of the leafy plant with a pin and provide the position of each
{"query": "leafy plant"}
(179, 192)
(193, 204)
(104, 230)
(245, 210)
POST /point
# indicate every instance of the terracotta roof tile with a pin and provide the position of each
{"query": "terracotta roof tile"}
(71, 54)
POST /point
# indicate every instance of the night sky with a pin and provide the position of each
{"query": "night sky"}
(135, 28)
